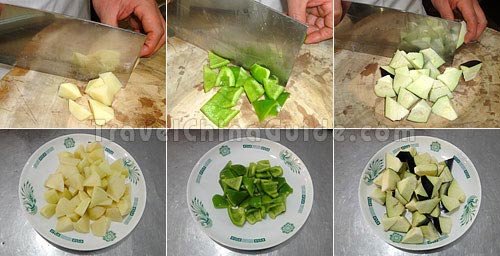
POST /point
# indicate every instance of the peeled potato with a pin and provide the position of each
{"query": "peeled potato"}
(86, 192)
(78, 111)
(69, 91)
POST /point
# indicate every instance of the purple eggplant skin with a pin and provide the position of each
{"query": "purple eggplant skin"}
(384, 72)
(471, 63)
(427, 184)
(408, 158)
(449, 163)
(437, 225)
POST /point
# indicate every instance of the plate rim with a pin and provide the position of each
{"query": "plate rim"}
(50, 239)
(252, 139)
(428, 246)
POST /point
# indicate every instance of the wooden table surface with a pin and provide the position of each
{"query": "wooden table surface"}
(309, 105)
(28, 99)
(476, 102)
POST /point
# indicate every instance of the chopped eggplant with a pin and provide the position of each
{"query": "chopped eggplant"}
(414, 236)
(420, 112)
(386, 71)
(383, 88)
(455, 191)
(450, 203)
(443, 108)
(470, 69)
(421, 87)
(394, 110)
(450, 77)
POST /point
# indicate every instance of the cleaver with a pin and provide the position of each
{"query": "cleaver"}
(381, 31)
(64, 46)
(245, 31)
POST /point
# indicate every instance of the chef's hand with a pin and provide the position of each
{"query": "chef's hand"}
(317, 14)
(471, 11)
(143, 15)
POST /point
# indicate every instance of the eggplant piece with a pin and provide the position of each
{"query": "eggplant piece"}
(449, 163)
(437, 225)
(427, 184)
(386, 71)
(456, 191)
(470, 69)
(450, 203)
(442, 224)
(406, 156)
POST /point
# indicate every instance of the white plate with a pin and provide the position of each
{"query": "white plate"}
(203, 184)
(44, 162)
(463, 171)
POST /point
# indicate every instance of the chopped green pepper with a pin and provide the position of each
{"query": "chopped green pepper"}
(216, 61)
(272, 88)
(242, 77)
(209, 78)
(235, 197)
(259, 72)
(281, 102)
(250, 199)
(263, 108)
(253, 89)
(225, 78)
(236, 73)
(220, 202)
(237, 216)
(234, 183)
(219, 116)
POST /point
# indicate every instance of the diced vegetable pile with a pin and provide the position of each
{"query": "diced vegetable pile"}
(423, 186)
(415, 80)
(261, 88)
(252, 192)
(86, 187)
(101, 91)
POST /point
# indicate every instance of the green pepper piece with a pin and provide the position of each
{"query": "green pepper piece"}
(266, 199)
(255, 201)
(239, 169)
(243, 76)
(217, 115)
(230, 94)
(235, 197)
(263, 108)
(249, 185)
(216, 61)
(263, 212)
(281, 102)
(236, 73)
(259, 72)
(253, 89)
(272, 88)
(263, 165)
(258, 186)
(253, 216)
(280, 180)
(276, 171)
(234, 183)
(237, 216)
(270, 188)
(226, 173)
(263, 175)
(275, 210)
(225, 78)
(220, 202)
(209, 78)
(251, 170)
(245, 203)
(285, 189)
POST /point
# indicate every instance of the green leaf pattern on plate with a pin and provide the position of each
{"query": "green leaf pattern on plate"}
(224, 150)
(435, 146)
(133, 171)
(109, 236)
(469, 210)
(28, 197)
(291, 161)
(373, 171)
(201, 214)
(396, 237)
(69, 142)
(287, 228)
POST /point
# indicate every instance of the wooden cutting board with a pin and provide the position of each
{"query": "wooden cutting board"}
(28, 99)
(476, 102)
(309, 105)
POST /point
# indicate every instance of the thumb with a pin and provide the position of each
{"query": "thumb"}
(297, 9)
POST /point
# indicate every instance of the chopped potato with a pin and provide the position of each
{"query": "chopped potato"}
(86, 192)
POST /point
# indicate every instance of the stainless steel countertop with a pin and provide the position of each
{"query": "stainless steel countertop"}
(354, 237)
(17, 237)
(185, 237)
